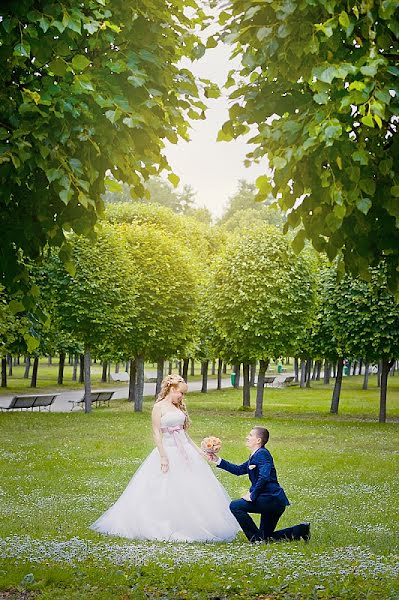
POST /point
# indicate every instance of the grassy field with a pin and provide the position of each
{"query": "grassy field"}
(59, 472)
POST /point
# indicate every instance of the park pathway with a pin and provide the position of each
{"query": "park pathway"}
(62, 402)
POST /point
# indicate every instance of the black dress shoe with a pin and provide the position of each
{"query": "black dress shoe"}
(304, 531)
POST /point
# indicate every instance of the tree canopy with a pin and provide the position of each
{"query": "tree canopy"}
(85, 87)
(319, 81)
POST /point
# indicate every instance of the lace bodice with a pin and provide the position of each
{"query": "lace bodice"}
(173, 418)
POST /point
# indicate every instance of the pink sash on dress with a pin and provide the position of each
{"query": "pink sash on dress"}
(173, 431)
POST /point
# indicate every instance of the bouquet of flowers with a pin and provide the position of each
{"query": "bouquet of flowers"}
(211, 444)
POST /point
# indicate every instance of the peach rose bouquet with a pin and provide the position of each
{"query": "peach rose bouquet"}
(211, 444)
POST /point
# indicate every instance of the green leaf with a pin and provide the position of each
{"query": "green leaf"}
(395, 191)
(174, 179)
(364, 205)
(264, 185)
(113, 186)
(22, 49)
(344, 19)
(113, 115)
(80, 62)
(279, 162)
(66, 195)
(16, 306)
(361, 157)
(299, 241)
(58, 67)
(368, 120)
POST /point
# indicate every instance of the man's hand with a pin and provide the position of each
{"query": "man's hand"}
(247, 497)
(212, 457)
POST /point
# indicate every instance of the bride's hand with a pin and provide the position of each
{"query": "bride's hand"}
(164, 464)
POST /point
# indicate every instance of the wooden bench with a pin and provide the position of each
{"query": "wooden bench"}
(286, 381)
(97, 398)
(31, 401)
(122, 376)
(268, 380)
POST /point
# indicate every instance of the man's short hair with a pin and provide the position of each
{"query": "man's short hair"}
(262, 433)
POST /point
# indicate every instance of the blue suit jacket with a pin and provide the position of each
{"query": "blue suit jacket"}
(262, 474)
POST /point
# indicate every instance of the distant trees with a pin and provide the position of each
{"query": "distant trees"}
(243, 210)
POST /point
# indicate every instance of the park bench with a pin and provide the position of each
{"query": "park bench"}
(97, 398)
(286, 380)
(268, 380)
(31, 401)
(122, 376)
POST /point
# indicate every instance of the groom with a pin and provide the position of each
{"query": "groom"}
(265, 495)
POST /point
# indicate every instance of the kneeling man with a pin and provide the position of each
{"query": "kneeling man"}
(265, 497)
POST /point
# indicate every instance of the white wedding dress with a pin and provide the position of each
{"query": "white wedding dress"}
(187, 503)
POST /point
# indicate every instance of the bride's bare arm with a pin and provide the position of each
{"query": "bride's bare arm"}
(156, 430)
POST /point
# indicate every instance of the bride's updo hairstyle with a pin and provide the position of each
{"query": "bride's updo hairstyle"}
(172, 381)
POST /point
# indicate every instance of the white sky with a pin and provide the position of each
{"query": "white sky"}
(212, 168)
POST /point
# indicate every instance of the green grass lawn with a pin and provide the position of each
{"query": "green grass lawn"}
(59, 472)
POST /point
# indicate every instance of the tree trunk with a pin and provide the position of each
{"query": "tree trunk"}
(236, 370)
(27, 367)
(3, 372)
(204, 372)
(50, 360)
(160, 370)
(220, 370)
(170, 369)
(138, 402)
(61, 365)
(104, 372)
(10, 361)
(224, 368)
(75, 367)
(302, 382)
(246, 388)
(379, 373)
(179, 366)
(213, 368)
(117, 367)
(186, 362)
(82, 368)
(354, 367)
(109, 372)
(318, 370)
(337, 387)
(360, 367)
(252, 375)
(308, 371)
(263, 364)
(296, 369)
(132, 381)
(192, 372)
(33, 382)
(334, 369)
(327, 372)
(87, 378)
(385, 368)
(366, 376)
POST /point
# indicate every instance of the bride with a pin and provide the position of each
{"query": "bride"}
(174, 495)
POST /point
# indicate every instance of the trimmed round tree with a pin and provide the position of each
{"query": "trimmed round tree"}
(95, 305)
(263, 298)
(166, 290)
